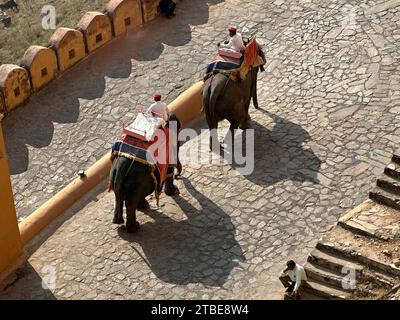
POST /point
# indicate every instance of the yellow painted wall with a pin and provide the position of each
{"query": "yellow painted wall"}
(69, 45)
(95, 26)
(125, 14)
(189, 104)
(13, 80)
(42, 65)
(10, 241)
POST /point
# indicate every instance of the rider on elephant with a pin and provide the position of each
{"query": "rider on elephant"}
(235, 41)
(158, 108)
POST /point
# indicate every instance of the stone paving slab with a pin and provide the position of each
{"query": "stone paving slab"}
(328, 125)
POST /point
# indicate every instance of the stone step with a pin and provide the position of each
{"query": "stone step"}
(384, 197)
(396, 156)
(378, 278)
(355, 256)
(389, 184)
(359, 227)
(330, 285)
(325, 292)
(393, 170)
(326, 277)
(331, 262)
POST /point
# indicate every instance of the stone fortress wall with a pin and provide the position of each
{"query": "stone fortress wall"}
(41, 65)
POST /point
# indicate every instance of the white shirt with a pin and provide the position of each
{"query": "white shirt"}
(159, 108)
(235, 43)
(297, 275)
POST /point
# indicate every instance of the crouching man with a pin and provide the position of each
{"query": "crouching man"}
(294, 279)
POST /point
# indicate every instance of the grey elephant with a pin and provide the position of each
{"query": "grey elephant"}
(132, 180)
(227, 96)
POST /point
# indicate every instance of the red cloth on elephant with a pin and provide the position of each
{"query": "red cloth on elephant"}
(156, 152)
(251, 53)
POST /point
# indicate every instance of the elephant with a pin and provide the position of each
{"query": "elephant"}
(132, 182)
(225, 98)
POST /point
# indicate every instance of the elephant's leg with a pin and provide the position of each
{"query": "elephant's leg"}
(169, 188)
(118, 211)
(179, 168)
(143, 204)
(246, 122)
(178, 163)
(131, 224)
(232, 129)
(215, 145)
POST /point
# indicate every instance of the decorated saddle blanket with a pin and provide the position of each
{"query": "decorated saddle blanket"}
(157, 154)
(251, 59)
(223, 63)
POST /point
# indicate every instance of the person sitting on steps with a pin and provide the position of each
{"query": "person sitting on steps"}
(167, 8)
(294, 279)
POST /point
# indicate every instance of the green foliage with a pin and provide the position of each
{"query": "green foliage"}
(26, 25)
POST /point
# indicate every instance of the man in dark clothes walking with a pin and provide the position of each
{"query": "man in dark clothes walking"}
(167, 8)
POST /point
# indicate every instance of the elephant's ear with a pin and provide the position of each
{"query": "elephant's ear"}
(259, 62)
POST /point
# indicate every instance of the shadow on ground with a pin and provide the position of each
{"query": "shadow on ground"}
(279, 154)
(201, 249)
(25, 283)
(33, 123)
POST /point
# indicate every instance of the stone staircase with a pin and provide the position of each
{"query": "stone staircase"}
(324, 271)
(356, 260)
(330, 269)
(387, 190)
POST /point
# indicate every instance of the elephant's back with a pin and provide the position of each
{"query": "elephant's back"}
(128, 176)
